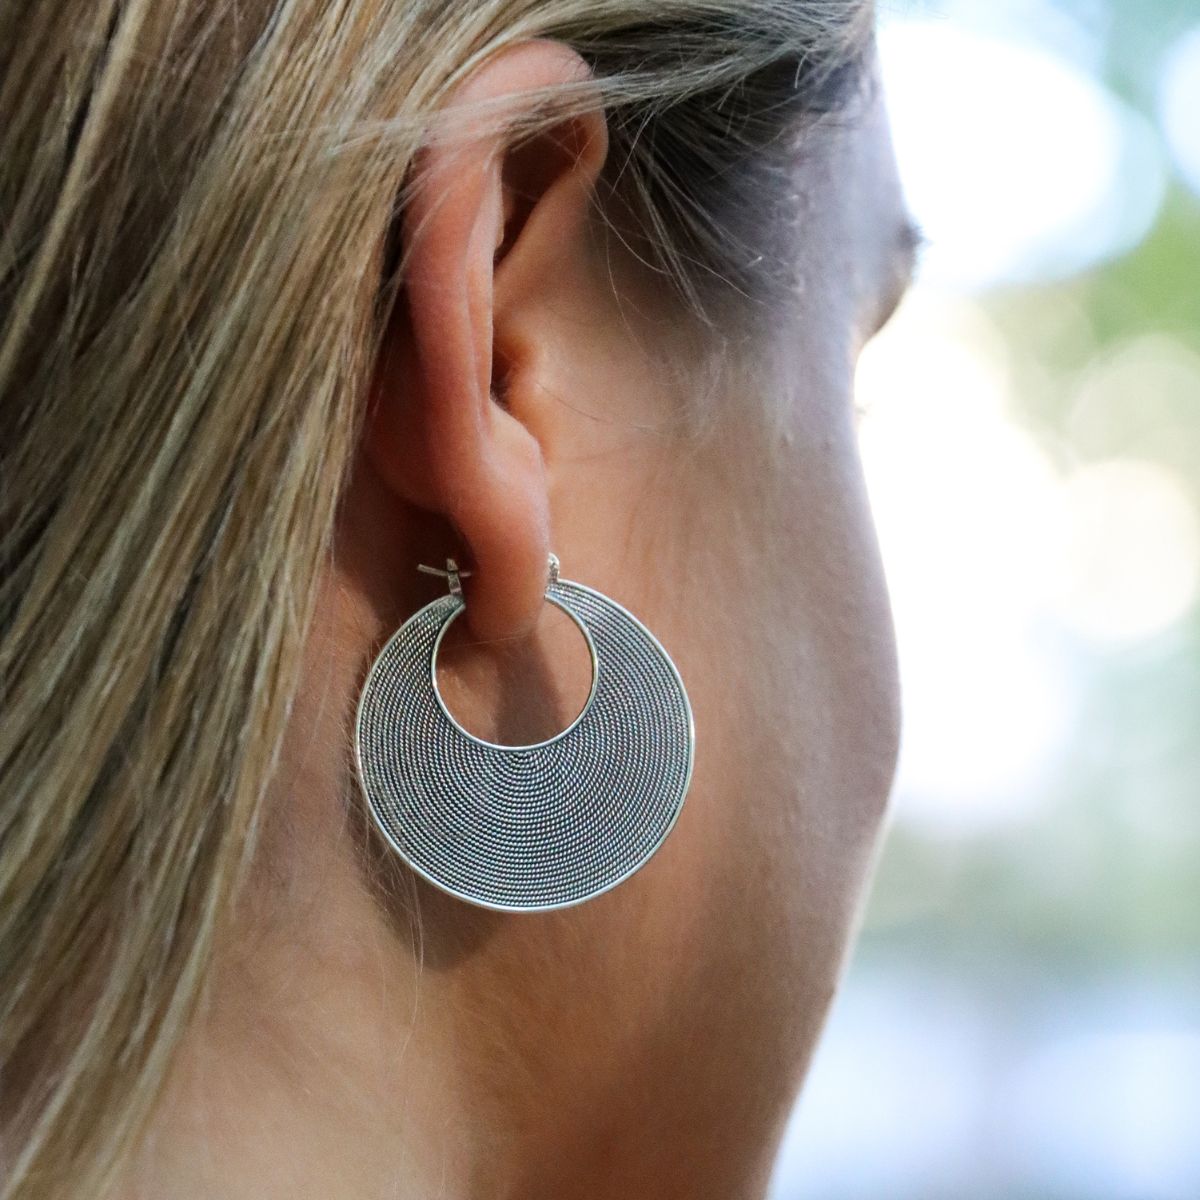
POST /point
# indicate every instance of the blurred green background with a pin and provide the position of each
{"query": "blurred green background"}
(1021, 1017)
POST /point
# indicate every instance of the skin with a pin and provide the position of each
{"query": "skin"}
(649, 1043)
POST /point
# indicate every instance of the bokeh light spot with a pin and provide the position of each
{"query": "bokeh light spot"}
(1130, 564)
(1179, 105)
(1019, 165)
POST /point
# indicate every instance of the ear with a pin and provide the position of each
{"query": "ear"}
(489, 219)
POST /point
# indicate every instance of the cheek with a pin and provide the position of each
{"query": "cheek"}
(789, 647)
(753, 559)
(832, 613)
(797, 641)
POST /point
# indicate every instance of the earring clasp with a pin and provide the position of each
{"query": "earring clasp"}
(454, 576)
(451, 574)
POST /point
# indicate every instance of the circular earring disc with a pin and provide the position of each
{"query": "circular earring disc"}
(527, 828)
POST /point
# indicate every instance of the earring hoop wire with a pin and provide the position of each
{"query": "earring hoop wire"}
(527, 828)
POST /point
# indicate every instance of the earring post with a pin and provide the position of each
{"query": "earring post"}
(451, 573)
(444, 574)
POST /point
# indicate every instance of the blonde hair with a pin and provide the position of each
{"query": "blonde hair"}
(197, 220)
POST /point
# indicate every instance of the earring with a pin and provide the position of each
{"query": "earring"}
(527, 828)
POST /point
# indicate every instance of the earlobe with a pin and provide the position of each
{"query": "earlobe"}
(486, 221)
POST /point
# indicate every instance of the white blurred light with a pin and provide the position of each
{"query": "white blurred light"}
(1179, 105)
(857, 1132)
(1075, 29)
(962, 501)
(1113, 1113)
(1019, 166)
(1141, 399)
(1130, 566)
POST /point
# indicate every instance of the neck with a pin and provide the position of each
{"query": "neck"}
(316, 1066)
(366, 1036)
(333, 1058)
(364, 1039)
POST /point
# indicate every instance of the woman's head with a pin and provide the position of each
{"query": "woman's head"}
(294, 297)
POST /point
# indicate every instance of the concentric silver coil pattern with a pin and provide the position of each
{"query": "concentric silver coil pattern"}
(527, 827)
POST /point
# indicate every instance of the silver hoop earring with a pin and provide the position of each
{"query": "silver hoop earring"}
(527, 828)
